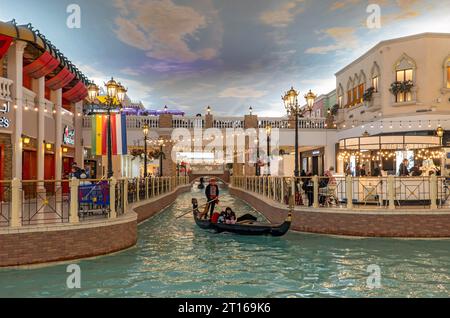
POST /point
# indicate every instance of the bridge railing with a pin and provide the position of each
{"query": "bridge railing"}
(351, 192)
(37, 202)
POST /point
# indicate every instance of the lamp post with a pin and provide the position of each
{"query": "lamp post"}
(115, 95)
(440, 133)
(257, 166)
(290, 100)
(268, 132)
(310, 100)
(145, 130)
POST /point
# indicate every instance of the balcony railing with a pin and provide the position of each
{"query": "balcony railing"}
(429, 193)
(5, 89)
(137, 122)
(40, 202)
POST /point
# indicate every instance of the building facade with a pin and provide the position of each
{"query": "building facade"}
(41, 94)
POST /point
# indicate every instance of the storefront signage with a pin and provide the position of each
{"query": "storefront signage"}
(69, 136)
(4, 110)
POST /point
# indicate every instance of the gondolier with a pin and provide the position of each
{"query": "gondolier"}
(212, 195)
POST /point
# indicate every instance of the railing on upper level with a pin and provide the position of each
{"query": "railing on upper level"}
(228, 122)
(429, 193)
(188, 122)
(5, 89)
(137, 122)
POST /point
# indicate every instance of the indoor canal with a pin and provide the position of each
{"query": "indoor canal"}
(175, 258)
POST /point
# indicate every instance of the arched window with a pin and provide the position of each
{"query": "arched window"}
(361, 86)
(349, 92)
(447, 72)
(355, 90)
(340, 96)
(405, 74)
(375, 76)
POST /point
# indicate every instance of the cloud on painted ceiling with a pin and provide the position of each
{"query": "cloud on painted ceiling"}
(283, 15)
(164, 30)
(343, 38)
(241, 92)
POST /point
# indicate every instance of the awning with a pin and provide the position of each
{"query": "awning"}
(60, 80)
(77, 93)
(44, 65)
(389, 142)
(5, 42)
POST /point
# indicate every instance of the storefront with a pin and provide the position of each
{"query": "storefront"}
(313, 161)
(382, 155)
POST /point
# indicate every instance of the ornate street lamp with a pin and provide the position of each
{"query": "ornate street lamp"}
(145, 131)
(290, 100)
(310, 100)
(440, 133)
(115, 95)
(268, 132)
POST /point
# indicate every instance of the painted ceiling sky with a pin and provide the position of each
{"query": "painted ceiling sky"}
(230, 54)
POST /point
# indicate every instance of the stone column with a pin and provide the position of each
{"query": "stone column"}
(78, 126)
(209, 121)
(330, 156)
(165, 121)
(56, 97)
(15, 73)
(39, 89)
(250, 122)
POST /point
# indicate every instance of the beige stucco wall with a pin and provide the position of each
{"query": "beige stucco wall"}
(428, 51)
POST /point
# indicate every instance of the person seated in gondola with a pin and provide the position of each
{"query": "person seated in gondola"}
(215, 217)
(230, 216)
(222, 218)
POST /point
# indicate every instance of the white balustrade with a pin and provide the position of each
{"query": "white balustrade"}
(5, 89)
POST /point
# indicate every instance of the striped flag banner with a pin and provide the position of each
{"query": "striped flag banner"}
(99, 134)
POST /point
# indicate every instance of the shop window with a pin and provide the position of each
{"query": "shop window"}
(355, 96)
(341, 101)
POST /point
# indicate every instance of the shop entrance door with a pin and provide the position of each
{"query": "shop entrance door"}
(29, 172)
(315, 166)
(49, 172)
(1, 172)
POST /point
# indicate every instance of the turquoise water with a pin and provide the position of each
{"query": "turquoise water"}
(176, 259)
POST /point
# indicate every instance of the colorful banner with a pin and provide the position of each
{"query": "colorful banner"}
(99, 135)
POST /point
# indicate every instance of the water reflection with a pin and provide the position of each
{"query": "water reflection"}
(174, 258)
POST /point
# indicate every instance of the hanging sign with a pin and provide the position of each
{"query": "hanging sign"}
(69, 136)
(4, 111)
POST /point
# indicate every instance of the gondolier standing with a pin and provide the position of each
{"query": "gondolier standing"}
(212, 194)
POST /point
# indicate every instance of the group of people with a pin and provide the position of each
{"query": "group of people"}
(212, 195)
(78, 173)
(225, 217)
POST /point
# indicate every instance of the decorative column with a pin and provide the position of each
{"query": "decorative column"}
(56, 97)
(349, 192)
(15, 73)
(73, 217)
(78, 126)
(391, 192)
(112, 198)
(315, 180)
(39, 89)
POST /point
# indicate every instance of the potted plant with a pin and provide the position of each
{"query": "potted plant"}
(401, 87)
(334, 109)
(368, 94)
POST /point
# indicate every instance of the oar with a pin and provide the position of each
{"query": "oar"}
(207, 203)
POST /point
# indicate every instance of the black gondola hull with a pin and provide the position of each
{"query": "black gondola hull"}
(245, 229)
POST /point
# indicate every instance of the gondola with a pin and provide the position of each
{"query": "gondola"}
(246, 225)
